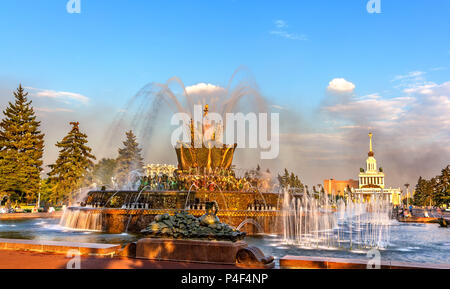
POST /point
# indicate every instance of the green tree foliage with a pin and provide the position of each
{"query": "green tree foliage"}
(129, 159)
(435, 192)
(104, 171)
(73, 166)
(47, 191)
(21, 149)
(442, 188)
(292, 181)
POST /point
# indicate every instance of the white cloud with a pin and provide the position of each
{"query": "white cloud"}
(423, 114)
(50, 110)
(340, 85)
(280, 24)
(426, 89)
(438, 68)
(369, 109)
(62, 96)
(410, 80)
(291, 36)
(372, 96)
(204, 88)
(279, 107)
(413, 75)
(280, 30)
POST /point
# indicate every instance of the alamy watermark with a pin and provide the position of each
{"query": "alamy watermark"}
(73, 6)
(75, 259)
(207, 129)
(374, 6)
(374, 256)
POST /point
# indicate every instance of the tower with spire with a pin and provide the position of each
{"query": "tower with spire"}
(371, 177)
(371, 181)
(370, 184)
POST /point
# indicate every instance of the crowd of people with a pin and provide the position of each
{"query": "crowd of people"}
(427, 212)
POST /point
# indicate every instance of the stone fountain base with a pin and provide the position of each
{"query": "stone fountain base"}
(199, 251)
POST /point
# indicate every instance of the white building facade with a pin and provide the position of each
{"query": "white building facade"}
(371, 182)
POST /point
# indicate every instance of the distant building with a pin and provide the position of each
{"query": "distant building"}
(152, 170)
(371, 182)
(339, 188)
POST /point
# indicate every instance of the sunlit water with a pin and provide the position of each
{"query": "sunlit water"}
(49, 229)
(419, 243)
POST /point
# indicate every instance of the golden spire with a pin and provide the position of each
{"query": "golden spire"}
(371, 153)
(206, 110)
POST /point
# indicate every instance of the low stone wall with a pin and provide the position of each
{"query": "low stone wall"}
(18, 216)
(422, 220)
(59, 247)
(303, 262)
(200, 251)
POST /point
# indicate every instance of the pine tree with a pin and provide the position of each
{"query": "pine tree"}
(129, 159)
(103, 171)
(292, 181)
(419, 192)
(73, 166)
(21, 149)
(442, 188)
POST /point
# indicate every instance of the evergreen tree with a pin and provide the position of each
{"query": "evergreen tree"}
(292, 181)
(425, 192)
(104, 171)
(47, 192)
(129, 159)
(420, 191)
(442, 189)
(21, 149)
(73, 166)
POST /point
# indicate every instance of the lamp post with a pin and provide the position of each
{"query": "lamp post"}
(407, 196)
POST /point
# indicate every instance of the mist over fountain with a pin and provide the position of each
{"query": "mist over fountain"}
(311, 222)
(148, 112)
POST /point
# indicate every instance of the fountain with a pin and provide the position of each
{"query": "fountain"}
(302, 219)
(205, 174)
(326, 223)
(79, 219)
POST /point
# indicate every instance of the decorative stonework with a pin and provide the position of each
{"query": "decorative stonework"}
(185, 226)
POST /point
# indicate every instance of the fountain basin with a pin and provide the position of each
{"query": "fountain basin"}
(116, 221)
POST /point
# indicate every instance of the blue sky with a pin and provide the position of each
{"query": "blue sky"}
(124, 44)
(293, 49)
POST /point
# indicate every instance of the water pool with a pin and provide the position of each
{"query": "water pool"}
(418, 243)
